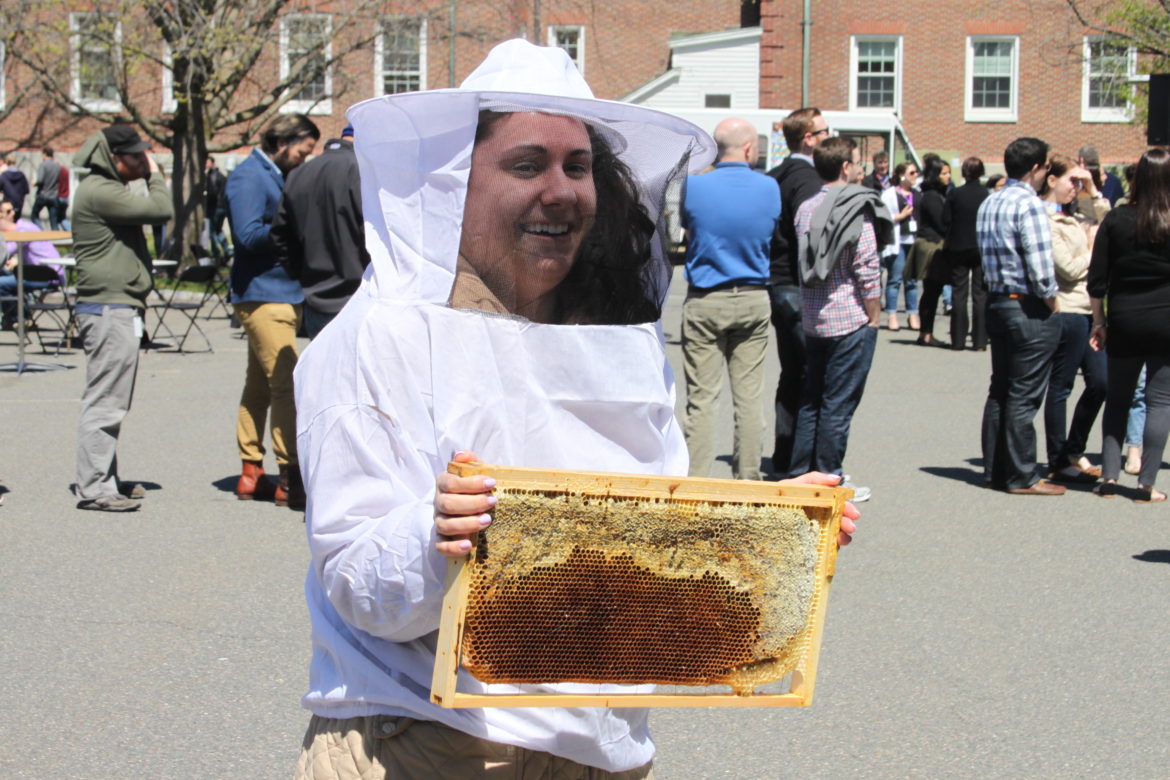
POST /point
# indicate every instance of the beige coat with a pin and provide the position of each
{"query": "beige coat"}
(1071, 252)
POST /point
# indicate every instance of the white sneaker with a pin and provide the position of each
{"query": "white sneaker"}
(860, 494)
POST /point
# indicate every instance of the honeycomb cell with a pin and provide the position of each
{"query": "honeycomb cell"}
(611, 589)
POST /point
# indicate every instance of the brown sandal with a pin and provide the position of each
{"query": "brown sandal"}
(1149, 496)
(1106, 489)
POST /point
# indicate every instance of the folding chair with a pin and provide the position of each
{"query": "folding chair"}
(195, 274)
(216, 288)
(41, 282)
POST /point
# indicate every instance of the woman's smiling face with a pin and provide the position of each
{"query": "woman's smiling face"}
(530, 202)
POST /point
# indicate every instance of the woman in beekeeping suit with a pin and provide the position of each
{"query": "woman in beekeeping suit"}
(511, 310)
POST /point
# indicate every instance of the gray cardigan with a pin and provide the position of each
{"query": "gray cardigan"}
(836, 224)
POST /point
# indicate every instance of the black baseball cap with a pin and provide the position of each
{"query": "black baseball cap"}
(124, 139)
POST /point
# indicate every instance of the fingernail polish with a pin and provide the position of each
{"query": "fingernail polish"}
(489, 483)
(465, 544)
(492, 500)
(484, 519)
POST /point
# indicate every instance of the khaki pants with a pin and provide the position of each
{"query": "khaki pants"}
(272, 356)
(725, 326)
(381, 746)
(111, 365)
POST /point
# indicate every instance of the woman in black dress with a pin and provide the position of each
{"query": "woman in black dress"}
(927, 262)
(1129, 288)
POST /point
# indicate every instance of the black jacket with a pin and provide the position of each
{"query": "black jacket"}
(14, 188)
(318, 231)
(959, 211)
(928, 213)
(798, 181)
(213, 195)
(872, 182)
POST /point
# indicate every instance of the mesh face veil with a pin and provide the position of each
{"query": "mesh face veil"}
(554, 227)
(420, 159)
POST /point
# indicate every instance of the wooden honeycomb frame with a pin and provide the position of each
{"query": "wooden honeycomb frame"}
(822, 504)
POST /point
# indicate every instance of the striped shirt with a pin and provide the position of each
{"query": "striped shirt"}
(1015, 242)
(834, 307)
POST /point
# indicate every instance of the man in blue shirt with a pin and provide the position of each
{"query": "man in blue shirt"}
(730, 215)
(1016, 246)
(268, 304)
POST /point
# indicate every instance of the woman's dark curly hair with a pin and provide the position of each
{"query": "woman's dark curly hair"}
(610, 282)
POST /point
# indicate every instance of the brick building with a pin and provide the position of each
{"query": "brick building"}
(619, 45)
(965, 77)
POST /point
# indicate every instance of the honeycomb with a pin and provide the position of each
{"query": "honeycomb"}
(576, 587)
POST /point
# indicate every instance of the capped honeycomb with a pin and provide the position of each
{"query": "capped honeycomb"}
(578, 587)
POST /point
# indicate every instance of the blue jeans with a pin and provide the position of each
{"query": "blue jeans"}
(1137, 413)
(50, 204)
(8, 288)
(1073, 353)
(834, 381)
(1024, 335)
(894, 265)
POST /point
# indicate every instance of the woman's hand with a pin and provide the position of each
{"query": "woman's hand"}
(1097, 336)
(848, 518)
(462, 506)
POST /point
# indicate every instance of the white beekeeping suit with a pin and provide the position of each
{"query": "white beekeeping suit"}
(400, 380)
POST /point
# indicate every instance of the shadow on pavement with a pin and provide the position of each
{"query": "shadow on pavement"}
(1154, 556)
(970, 476)
(226, 484)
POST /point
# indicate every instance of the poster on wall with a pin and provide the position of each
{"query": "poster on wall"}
(777, 146)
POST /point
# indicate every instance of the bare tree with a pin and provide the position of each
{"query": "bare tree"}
(16, 93)
(228, 66)
(1142, 24)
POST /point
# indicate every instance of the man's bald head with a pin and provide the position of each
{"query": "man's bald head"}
(736, 139)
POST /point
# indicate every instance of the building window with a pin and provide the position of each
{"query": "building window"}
(992, 79)
(1109, 68)
(401, 55)
(717, 101)
(3, 96)
(306, 48)
(571, 38)
(95, 52)
(876, 66)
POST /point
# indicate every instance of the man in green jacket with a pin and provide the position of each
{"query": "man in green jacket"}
(113, 280)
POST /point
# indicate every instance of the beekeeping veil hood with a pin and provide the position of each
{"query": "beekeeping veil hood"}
(399, 381)
(415, 149)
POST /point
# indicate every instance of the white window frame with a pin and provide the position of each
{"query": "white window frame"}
(98, 105)
(315, 107)
(169, 104)
(379, 52)
(853, 74)
(1099, 114)
(553, 29)
(1012, 112)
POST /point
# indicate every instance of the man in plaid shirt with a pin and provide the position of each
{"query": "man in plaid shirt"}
(1016, 247)
(840, 297)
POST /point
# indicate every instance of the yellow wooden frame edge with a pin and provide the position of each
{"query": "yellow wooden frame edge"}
(444, 681)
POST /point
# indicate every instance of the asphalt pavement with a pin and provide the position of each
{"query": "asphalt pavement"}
(969, 633)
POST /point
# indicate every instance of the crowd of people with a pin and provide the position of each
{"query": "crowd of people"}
(1040, 268)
